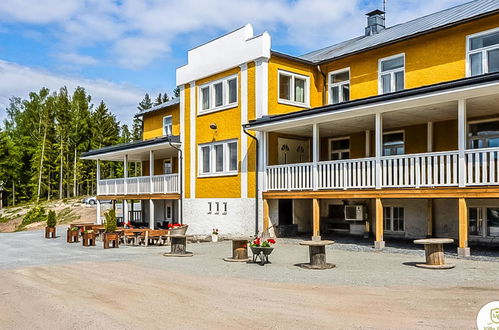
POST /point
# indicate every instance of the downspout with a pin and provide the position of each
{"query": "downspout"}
(324, 90)
(256, 178)
(180, 171)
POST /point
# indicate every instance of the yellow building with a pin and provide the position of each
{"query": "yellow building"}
(394, 133)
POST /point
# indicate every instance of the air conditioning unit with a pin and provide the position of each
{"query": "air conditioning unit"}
(354, 212)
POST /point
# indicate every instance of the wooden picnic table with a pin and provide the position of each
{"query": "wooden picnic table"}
(81, 225)
(178, 246)
(434, 252)
(239, 249)
(317, 252)
(136, 232)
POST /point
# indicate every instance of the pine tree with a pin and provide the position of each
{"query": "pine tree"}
(176, 92)
(158, 100)
(145, 104)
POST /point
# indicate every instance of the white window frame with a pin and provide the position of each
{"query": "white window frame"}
(391, 231)
(225, 95)
(171, 125)
(339, 150)
(391, 72)
(485, 63)
(393, 132)
(469, 123)
(485, 225)
(168, 160)
(226, 159)
(292, 101)
(340, 84)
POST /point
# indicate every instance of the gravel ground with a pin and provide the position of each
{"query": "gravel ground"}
(68, 286)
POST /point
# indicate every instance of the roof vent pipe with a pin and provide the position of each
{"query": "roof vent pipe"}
(375, 22)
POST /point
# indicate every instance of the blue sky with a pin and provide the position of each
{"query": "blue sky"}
(119, 50)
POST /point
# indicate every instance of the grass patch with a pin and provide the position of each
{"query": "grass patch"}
(67, 215)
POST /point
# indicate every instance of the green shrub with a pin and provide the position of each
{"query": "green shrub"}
(110, 224)
(51, 221)
(36, 214)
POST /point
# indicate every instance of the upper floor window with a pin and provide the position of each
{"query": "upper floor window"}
(167, 126)
(393, 144)
(483, 53)
(218, 158)
(483, 134)
(293, 88)
(391, 74)
(339, 86)
(339, 148)
(218, 95)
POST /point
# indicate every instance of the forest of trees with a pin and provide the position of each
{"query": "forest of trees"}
(43, 136)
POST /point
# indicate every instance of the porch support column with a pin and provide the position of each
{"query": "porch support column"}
(98, 220)
(151, 214)
(429, 136)
(463, 250)
(461, 138)
(151, 170)
(429, 218)
(379, 243)
(316, 218)
(315, 156)
(368, 143)
(97, 176)
(125, 173)
(378, 147)
(125, 212)
(266, 217)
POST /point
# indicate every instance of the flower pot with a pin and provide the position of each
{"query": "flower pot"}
(49, 232)
(214, 237)
(73, 236)
(89, 239)
(111, 240)
(181, 230)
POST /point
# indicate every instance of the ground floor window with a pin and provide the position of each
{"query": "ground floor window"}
(394, 218)
(484, 221)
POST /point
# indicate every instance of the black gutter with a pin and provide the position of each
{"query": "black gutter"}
(464, 82)
(130, 145)
(256, 179)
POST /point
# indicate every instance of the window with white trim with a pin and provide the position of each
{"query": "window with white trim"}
(393, 143)
(218, 158)
(339, 86)
(394, 219)
(391, 74)
(483, 134)
(167, 126)
(293, 88)
(339, 148)
(218, 95)
(483, 52)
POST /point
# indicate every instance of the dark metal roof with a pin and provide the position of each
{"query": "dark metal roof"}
(130, 145)
(166, 104)
(425, 24)
(448, 85)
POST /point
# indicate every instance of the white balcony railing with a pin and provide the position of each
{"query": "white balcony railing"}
(160, 184)
(436, 169)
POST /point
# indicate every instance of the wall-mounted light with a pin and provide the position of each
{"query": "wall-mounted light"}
(213, 126)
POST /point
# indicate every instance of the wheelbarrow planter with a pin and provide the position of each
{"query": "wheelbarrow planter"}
(262, 253)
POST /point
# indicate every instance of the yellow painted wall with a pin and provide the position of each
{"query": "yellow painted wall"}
(316, 84)
(187, 139)
(228, 127)
(251, 157)
(153, 122)
(158, 166)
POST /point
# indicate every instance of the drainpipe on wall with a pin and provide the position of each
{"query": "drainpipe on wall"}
(256, 178)
(324, 90)
(180, 170)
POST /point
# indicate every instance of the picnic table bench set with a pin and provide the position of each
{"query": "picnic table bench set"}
(261, 248)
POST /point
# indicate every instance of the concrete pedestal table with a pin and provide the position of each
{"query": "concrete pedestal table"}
(434, 251)
(178, 246)
(317, 250)
(239, 250)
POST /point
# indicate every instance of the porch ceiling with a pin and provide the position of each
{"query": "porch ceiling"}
(476, 107)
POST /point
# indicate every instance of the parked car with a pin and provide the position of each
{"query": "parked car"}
(93, 200)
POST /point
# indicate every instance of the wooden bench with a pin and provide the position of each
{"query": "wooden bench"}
(151, 236)
(317, 252)
(434, 252)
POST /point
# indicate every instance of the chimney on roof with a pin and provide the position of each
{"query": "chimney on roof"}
(375, 22)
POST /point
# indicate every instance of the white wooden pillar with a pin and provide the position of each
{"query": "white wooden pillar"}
(98, 219)
(151, 170)
(368, 143)
(378, 127)
(461, 140)
(97, 175)
(125, 172)
(151, 214)
(125, 211)
(315, 155)
(429, 136)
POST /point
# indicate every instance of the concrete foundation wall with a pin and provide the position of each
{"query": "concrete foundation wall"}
(302, 215)
(445, 218)
(415, 215)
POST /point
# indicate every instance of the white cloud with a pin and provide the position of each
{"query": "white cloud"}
(18, 80)
(77, 58)
(137, 32)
